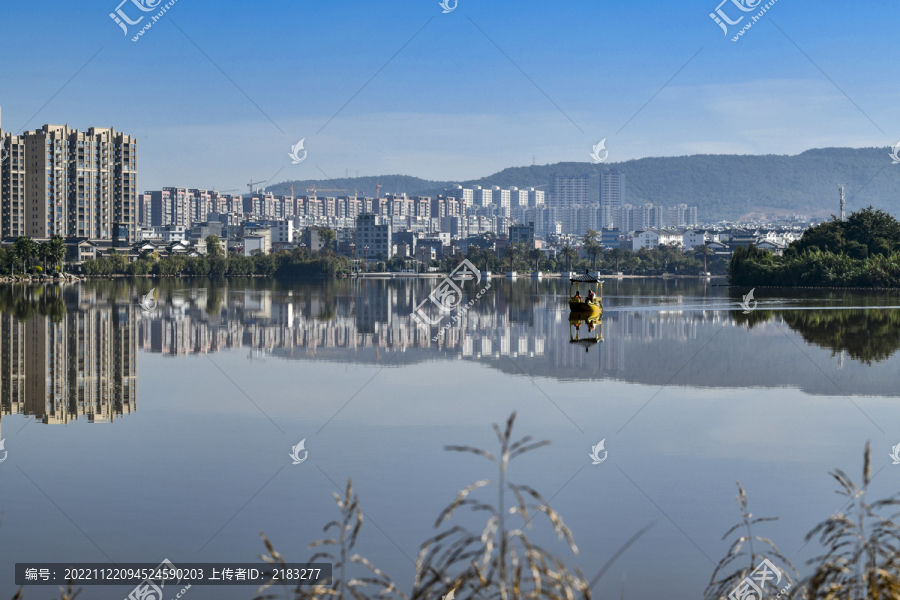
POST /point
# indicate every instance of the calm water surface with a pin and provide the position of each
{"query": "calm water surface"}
(135, 436)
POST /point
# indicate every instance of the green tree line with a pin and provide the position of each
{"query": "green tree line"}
(861, 251)
(295, 263)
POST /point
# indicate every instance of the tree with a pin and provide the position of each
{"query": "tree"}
(875, 229)
(140, 267)
(705, 250)
(44, 252)
(327, 235)
(26, 249)
(12, 255)
(618, 254)
(217, 266)
(592, 247)
(569, 253)
(512, 252)
(118, 263)
(213, 246)
(592, 250)
(58, 250)
(536, 255)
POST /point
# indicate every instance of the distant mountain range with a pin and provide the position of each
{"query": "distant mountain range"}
(722, 186)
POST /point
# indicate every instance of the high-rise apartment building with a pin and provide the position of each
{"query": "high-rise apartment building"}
(465, 194)
(569, 191)
(12, 184)
(611, 188)
(179, 207)
(483, 196)
(518, 197)
(501, 199)
(62, 181)
(682, 215)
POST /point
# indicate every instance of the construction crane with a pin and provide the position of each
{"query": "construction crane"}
(314, 190)
(377, 189)
(290, 188)
(224, 191)
(251, 184)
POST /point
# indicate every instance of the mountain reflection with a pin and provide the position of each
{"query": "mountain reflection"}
(70, 353)
(866, 334)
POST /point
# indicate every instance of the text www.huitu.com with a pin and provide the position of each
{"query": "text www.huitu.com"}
(153, 20)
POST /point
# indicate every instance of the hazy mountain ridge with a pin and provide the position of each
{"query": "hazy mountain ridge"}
(722, 186)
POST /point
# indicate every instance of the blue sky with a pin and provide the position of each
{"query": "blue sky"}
(461, 99)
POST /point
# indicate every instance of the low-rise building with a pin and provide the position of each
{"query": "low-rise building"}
(609, 238)
(282, 231)
(163, 233)
(651, 238)
(255, 244)
(522, 234)
(375, 233)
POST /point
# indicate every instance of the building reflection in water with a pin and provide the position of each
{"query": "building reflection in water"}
(71, 353)
(354, 324)
(78, 364)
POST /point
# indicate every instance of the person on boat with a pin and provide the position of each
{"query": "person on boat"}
(591, 295)
(578, 294)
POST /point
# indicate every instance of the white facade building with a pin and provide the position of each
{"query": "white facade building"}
(518, 197)
(535, 197)
(482, 197)
(501, 199)
(282, 231)
(465, 194)
(652, 238)
(166, 233)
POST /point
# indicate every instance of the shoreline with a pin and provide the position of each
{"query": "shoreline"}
(715, 279)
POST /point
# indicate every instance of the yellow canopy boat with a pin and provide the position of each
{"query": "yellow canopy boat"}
(582, 304)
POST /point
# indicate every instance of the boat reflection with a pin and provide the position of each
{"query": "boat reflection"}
(593, 333)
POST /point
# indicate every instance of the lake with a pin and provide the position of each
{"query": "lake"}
(137, 435)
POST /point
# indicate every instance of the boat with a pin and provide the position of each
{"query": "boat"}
(579, 304)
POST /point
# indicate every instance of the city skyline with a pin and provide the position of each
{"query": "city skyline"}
(768, 93)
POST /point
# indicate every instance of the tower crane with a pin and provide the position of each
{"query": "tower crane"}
(251, 184)
(377, 189)
(314, 190)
